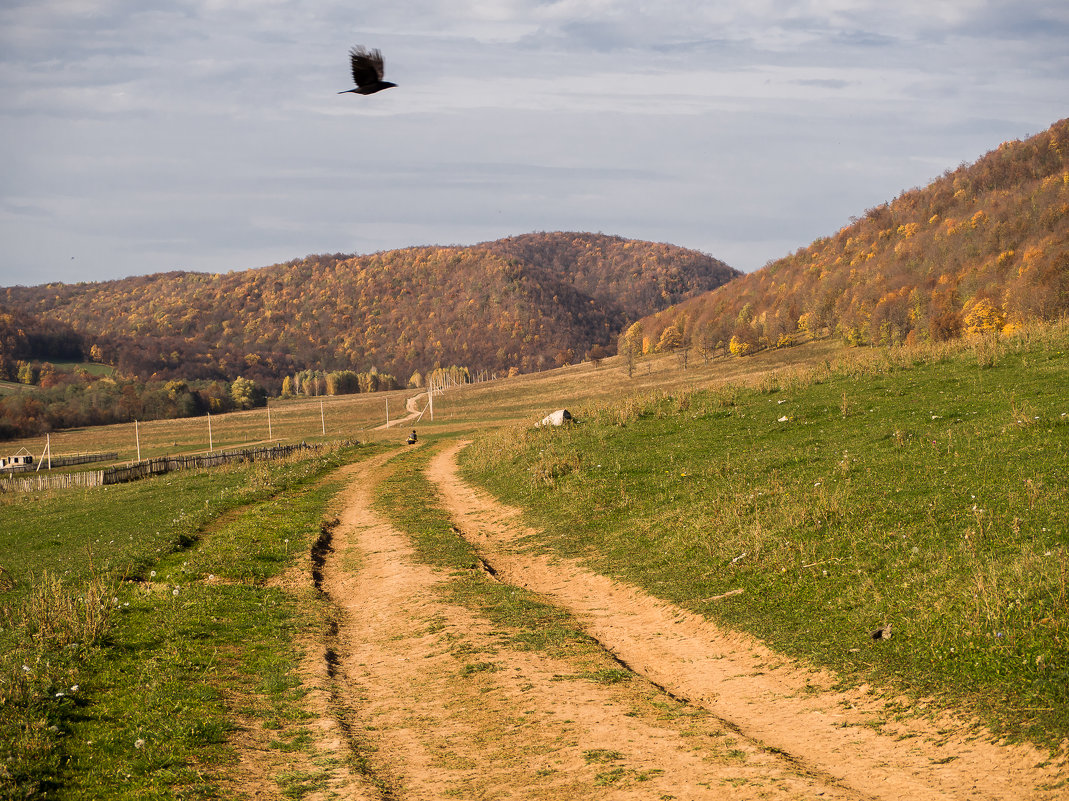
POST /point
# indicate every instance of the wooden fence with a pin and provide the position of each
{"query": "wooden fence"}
(151, 467)
(82, 458)
(165, 464)
(61, 461)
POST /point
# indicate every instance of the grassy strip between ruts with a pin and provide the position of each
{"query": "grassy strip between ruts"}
(408, 499)
(129, 689)
(924, 490)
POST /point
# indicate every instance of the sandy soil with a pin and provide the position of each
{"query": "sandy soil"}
(845, 741)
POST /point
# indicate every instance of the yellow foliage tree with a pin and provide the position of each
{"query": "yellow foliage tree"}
(984, 317)
(670, 340)
(740, 348)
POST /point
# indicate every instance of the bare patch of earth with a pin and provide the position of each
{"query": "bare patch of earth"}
(800, 735)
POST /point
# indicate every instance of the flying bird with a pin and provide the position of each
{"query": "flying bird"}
(367, 71)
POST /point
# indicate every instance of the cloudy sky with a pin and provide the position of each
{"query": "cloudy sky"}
(140, 136)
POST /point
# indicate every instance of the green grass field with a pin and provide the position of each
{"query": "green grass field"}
(132, 617)
(840, 491)
(12, 387)
(93, 368)
(928, 492)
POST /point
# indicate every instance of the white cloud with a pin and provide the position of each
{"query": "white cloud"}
(142, 136)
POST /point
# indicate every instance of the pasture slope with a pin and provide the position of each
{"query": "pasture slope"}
(387, 629)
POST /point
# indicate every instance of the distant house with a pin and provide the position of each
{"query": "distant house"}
(20, 459)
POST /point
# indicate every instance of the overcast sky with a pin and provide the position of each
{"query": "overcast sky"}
(140, 136)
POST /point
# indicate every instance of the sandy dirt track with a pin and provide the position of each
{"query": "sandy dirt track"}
(419, 697)
(775, 705)
(440, 705)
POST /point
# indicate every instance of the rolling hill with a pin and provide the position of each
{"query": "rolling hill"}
(984, 246)
(524, 302)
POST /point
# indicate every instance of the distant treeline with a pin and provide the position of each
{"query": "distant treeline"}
(69, 399)
(25, 338)
(311, 383)
(54, 399)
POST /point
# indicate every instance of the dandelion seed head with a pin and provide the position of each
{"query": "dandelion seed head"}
(139, 743)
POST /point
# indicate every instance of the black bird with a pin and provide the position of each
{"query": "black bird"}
(367, 71)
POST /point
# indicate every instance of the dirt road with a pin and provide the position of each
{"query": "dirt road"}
(414, 413)
(436, 703)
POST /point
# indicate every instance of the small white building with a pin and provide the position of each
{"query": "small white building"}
(20, 459)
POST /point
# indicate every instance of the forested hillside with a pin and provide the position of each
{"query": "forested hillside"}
(984, 246)
(24, 338)
(638, 278)
(525, 303)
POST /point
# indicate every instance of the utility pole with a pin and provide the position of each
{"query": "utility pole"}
(270, 435)
(211, 446)
(387, 412)
(322, 418)
(47, 451)
(137, 436)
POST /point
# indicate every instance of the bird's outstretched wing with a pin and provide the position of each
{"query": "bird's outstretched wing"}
(368, 67)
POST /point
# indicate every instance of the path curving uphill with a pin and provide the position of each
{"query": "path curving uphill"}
(435, 702)
(840, 739)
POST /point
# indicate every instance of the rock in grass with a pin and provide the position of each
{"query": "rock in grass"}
(557, 418)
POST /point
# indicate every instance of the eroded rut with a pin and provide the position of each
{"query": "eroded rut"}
(435, 703)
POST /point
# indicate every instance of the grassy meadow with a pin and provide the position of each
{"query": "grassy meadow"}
(291, 420)
(921, 488)
(12, 387)
(139, 623)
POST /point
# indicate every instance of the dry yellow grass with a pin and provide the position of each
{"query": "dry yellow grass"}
(461, 408)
